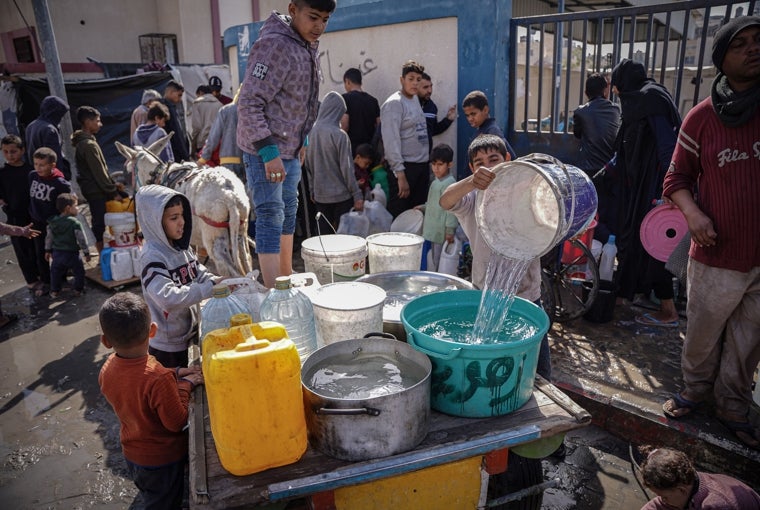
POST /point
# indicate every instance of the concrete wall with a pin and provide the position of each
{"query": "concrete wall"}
(379, 53)
(108, 30)
(105, 30)
(378, 36)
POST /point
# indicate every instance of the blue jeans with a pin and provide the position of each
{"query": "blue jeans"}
(275, 203)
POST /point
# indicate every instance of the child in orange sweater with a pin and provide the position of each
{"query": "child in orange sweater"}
(150, 401)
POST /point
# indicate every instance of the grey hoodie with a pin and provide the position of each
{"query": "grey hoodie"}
(328, 156)
(173, 281)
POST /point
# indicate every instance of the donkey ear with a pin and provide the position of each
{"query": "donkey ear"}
(159, 145)
(128, 152)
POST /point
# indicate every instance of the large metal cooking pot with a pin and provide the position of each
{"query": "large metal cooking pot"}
(402, 286)
(356, 429)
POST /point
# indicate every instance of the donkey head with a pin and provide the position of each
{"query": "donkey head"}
(143, 163)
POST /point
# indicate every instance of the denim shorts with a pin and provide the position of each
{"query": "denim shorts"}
(275, 203)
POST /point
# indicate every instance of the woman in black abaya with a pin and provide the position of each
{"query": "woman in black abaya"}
(644, 147)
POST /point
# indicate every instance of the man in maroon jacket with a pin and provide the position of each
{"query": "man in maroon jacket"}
(719, 151)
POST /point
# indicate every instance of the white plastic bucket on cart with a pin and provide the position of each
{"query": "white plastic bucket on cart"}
(394, 251)
(335, 257)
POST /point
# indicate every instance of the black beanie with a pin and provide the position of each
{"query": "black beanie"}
(725, 35)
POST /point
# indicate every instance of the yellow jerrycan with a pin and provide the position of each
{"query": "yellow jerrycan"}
(252, 375)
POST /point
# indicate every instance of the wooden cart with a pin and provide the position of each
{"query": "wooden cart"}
(449, 469)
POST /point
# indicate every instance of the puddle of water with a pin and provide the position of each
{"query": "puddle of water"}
(35, 402)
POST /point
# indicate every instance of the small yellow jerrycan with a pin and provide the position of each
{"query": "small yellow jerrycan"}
(252, 375)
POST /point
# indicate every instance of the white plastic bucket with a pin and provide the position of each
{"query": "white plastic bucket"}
(124, 234)
(122, 228)
(394, 251)
(335, 257)
(533, 204)
(409, 221)
(121, 264)
(347, 310)
(112, 218)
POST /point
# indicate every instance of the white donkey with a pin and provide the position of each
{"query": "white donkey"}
(218, 199)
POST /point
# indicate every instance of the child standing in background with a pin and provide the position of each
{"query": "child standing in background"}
(328, 163)
(439, 225)
(45, 184)
(478, 114)
(363, 160)
(173, 281)
(14, 231)
(94, 180)
(146, 134)
(150, 401)
(63, 241)
(14, 199)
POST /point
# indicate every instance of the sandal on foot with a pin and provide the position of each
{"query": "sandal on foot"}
(744, 432)
(648, 319)
(678, 407)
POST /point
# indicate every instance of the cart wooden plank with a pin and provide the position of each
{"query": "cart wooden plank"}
(94, 274)
(547, 413)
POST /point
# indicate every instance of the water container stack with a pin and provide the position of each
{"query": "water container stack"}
(218, 311)
(293, 309)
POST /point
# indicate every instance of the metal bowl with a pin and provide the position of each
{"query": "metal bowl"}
(403, 286)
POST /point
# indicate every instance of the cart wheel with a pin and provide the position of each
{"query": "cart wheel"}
(521, 473)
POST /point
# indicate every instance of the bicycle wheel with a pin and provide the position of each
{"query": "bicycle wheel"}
(574, 291)
(547, 295)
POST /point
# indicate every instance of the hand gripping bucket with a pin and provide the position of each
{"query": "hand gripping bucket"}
(533, 204)
(475, 380)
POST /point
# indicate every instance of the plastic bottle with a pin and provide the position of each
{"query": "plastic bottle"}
(291, 308)
(218, 310)
(377, 194)
(607, 265)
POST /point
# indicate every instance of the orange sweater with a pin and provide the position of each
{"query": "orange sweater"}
(152, 408)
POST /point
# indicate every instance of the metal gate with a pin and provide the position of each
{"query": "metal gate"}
(552, 54)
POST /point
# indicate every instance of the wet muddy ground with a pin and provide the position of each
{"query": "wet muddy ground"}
(59, 439)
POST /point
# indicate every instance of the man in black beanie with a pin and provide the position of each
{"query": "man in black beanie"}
(719, 149)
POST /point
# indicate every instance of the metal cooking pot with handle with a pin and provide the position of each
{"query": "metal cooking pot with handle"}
(367, 427)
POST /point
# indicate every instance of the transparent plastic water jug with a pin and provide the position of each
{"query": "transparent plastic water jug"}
(218, 310)
(607, 264)
(293, 309)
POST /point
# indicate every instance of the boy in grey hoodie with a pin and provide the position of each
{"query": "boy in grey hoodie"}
(328, 163)
(173, 281)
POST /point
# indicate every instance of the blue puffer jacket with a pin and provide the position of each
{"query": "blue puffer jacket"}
(278, 100)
